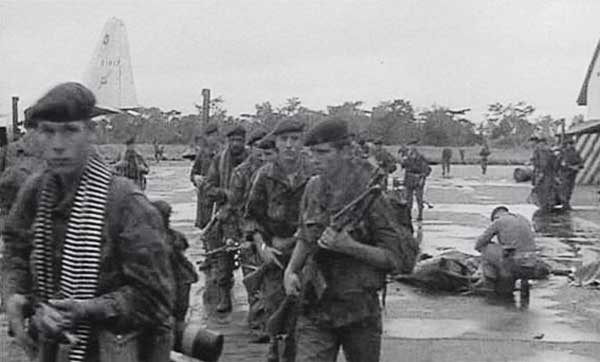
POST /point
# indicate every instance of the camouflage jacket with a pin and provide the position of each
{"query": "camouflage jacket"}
(202, 162)
(274, 202)
(135, 285)
(241, 182)
(352, 284)
(416, 167)
(384, 160)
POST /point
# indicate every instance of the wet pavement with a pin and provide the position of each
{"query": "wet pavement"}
(562, 323)
(546, 331)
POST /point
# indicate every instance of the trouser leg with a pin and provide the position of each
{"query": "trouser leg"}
(224, 278)
(419, 196)
(361, 341)
(315, 343)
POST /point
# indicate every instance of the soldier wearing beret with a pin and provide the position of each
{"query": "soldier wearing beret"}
(208, 148)
(241, 181)
(86, 256)
(132, 165)
(353, 261)
(268, 149)
(569, 164)
(272, 218)
(219, 191)
(416, 171)
(385, 161)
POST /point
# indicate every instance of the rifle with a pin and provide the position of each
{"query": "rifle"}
(348, 215)
(229, 247)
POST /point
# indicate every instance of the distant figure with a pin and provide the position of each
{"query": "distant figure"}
(416, 171)
(569, 164)
(385, 161)
(158, 151)
(132, 165)
(484, 154)
(462, 155)
(511, 257)
(446, 158)
(545, 191)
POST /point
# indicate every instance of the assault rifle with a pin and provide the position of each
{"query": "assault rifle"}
(348, 215)
(312, 276)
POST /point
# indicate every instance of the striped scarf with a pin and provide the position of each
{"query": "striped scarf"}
(80, 264)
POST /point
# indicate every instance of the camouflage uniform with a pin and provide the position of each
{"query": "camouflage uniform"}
(133, 166)
(349, 312)
(218, 190)
(272, 210)
(241, 181)
(135, 285)
(201, 165)
(385, 161)
(416, 171)
(569, 164)
(544, 192)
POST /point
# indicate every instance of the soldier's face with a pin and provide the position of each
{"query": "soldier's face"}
(289, 145)
(269, 155)
(326, 158)
(66, 145)
(236, 143)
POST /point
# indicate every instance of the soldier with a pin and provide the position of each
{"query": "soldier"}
(86, 258)
(509, 258)
(158, 151)
(353, 262)
(132, 165)
(268, 150)
(272, 213)
(183, 270)
(484, 154)
(385, 161)
(207, 151)
(462, 155)
(219, 191)
(544, 192)
(446, 158)
(416, 171)
(241, 181)
(569, 164)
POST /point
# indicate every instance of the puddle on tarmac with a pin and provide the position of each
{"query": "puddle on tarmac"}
(556, 356)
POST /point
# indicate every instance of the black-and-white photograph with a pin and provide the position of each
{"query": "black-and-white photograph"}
(300, 181)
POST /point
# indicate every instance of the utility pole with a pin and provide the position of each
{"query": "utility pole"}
(15, 118)
(205, 106)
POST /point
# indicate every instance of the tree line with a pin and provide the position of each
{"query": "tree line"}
(393, 122)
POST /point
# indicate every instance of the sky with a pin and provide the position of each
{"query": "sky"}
(461, 53)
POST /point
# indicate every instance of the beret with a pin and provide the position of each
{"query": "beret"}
(66, 102)
(266, 143)
(130, 140)
(210, 128)
(288, 125)
(330, 130)
(236, 131)
(256, 135)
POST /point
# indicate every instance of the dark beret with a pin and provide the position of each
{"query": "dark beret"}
(211, 128)
(66, 102)
(378, 141)
(236, 131)
(267, 142)
(288, 125)
(256, 135)
(130, 140)
(331, 130)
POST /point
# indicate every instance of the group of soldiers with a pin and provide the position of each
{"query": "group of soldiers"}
(555, 169)
(93, 271)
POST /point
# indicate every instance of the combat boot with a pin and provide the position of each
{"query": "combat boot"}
(420, 215)
(224, 305)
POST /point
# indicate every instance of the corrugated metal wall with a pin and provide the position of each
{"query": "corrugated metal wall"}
(588, 145)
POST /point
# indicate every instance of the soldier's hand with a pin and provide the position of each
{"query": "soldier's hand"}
(16, 324)
(291, 283)
(71, 310)
(269, 255)
(335, 241)
(198, 181)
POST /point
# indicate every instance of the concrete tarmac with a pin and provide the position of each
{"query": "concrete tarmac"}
(562, 322)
